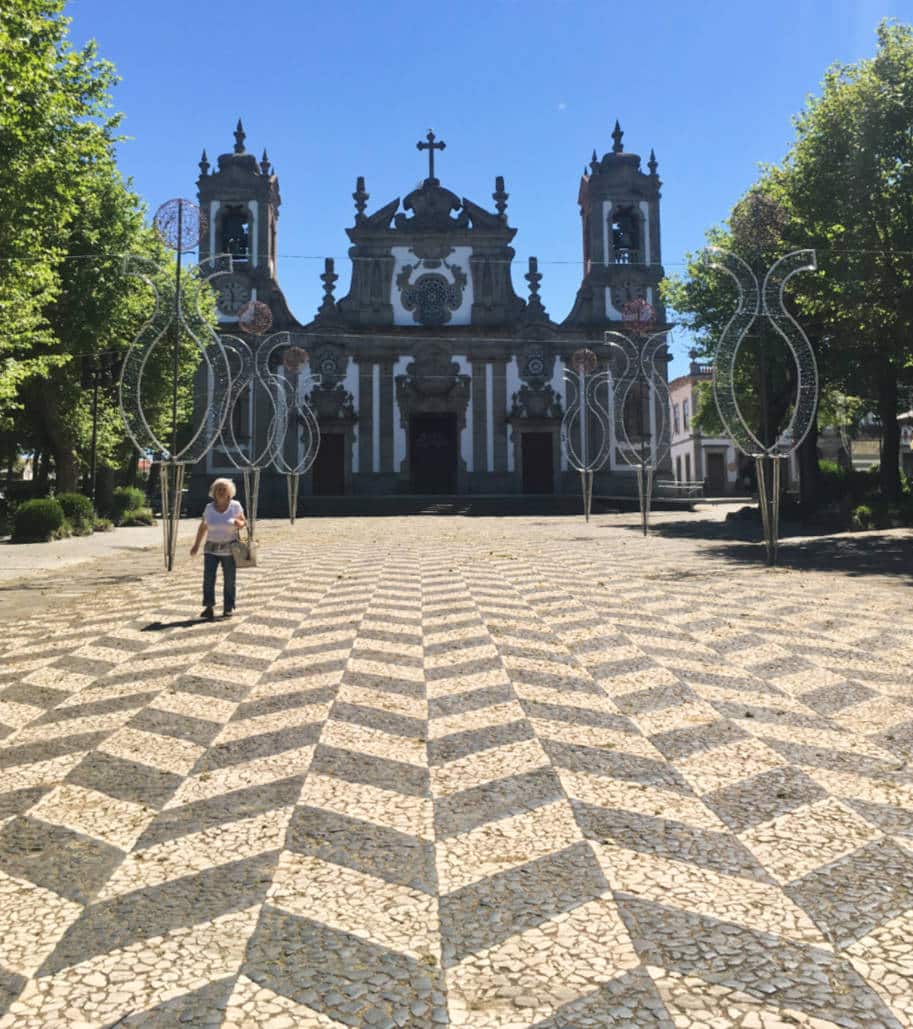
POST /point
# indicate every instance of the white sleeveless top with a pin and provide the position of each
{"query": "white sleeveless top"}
(218, 523)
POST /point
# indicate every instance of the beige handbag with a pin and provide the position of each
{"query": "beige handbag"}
(245, 552)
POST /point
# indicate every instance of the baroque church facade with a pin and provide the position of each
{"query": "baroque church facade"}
(435, 376)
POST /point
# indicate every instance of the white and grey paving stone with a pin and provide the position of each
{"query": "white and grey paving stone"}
(491, 773)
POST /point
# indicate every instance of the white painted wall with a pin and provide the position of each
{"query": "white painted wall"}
(462, 362)
(645, 229)
(405, 255)
(512, 379)
(350, 383)
(375, 417)
(399, 433)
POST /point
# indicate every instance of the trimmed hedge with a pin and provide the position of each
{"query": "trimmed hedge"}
(103, 525)
(139, 516)
(78, 511)
(38, 521)
(124, 500)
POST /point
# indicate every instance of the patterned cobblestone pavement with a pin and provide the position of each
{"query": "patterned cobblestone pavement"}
(470, 772)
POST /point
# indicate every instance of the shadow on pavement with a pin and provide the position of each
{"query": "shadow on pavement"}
(186, 624)
(802, 547)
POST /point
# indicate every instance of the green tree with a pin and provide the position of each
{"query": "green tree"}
(67, 218)
(844, 190)
(849, 176)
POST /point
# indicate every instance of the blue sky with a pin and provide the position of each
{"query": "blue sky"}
(520, 89)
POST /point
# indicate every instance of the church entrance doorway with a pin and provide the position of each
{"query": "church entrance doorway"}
(538, 462)
(329, 470)
(716, 474)
(433, 453)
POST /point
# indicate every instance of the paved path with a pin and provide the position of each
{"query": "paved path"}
(477, 772)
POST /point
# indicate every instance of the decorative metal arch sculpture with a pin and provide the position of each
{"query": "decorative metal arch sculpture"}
(585, 432)
(639, 355)
(249, 460)
(179, 223)
(765, 301)
(289, 404)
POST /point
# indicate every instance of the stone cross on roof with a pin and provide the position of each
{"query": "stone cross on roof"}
(430, 146)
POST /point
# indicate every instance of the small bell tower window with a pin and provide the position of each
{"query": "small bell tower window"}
(236, 233)
(625, 228)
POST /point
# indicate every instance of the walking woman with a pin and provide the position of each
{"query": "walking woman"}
(219, 527)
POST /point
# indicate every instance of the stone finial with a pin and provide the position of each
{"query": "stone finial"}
(264, 163)
(240, 136)
(651, 164)
(617, 146)
(360, 197)
(594, 163)
(534, 309)
(204, 163)
(328, 278)
(499, 196)
(533, 277)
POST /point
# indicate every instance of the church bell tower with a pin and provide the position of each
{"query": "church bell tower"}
(241, 204)
(622, 261)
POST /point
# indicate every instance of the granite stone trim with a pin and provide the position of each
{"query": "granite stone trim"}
(473, 741)
(183, 727)
(204, 1008)
(597, 761)
(156, 910)
(461, 812)
(374, 718)
(763, 797)
(31, 753)
(374, 771)
(630, 1000)
(819, 984)
(373, 849)
(677, 744)
(669, 839)
(11, 985)
(283, 702)
(490, 911)
(125, 780)
(234, 752)
(73, 865)
(859, 892)
(198, 815)
(342, 976)
(471, 700)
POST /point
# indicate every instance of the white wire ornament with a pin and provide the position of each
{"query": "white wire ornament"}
(168, 339)
(291, 453)
(585, 426)
(764, 301)
(641, 386)
(243, 452)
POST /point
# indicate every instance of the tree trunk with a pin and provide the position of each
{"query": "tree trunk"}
(42, 398)
(808, 469)
(889, 472)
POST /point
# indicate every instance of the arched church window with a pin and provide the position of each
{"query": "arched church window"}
(625, 236)
(236, 233)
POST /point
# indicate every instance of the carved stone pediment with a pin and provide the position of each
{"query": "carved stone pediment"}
(431, 205)
(332, 404)
(530, 402)
(432, 383)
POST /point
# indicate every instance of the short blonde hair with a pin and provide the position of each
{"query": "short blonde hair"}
(227, 483)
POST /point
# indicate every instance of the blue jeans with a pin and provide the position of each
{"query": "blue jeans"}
(211, 564)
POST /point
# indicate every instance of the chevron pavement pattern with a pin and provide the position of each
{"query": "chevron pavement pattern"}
(484, 773)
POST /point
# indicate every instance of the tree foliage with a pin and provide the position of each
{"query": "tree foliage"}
(844, 189)
(67, 218)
